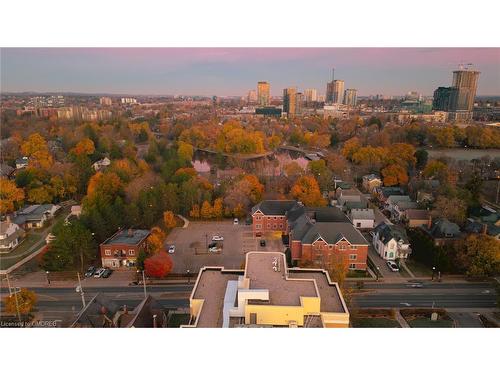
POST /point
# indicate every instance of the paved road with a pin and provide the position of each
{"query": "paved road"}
(466, 319)
(431, 285)
(460, 299)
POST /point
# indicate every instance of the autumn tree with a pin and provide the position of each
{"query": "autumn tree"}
(350, 147)
(479, 255)
(23, 301)
(421, 157)
(195, 211)
(293, 169)
(453, 209)
(158, 265)
(306, 190)
(436, 169)
(185, 151)
(10, 196)
(84, 147)
(206, 211)
(35, 147)
(156, 240)
(394, 175)
(337, 266)
(169, 219)
(218, 209)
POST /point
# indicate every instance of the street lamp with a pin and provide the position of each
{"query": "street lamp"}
(47, 275)
(189, 280)
(378, 272)
(433, 272)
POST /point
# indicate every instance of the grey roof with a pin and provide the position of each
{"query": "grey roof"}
(399, 198)
(128, 237)
(442, 228)
(350, 205)
(405, 205)
(332, 233)
(6, 170)
(388, 232)
(327, 214)
(387, 191)
(362, 214)
(34, 212)
(371, 177)
(274, 207)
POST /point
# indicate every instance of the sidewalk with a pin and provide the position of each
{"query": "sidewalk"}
(402, 322)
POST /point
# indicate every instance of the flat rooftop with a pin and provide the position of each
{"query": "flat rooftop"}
(127, 237)
(282, 292)
(211, 288)
(330, 296)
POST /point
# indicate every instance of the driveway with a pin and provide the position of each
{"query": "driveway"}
(380, 263)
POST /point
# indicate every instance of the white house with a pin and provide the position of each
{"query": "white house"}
(101, 164)
(22, 162)
(10, 234)
(362, 217)
(391, 242)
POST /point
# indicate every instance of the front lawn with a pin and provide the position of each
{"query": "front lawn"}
(418, 269)
(176, 320)
(20, 252)
(358, 274)
(427, 323)
(374, 323)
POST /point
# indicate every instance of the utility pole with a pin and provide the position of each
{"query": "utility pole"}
(82, 294)
(144, 283)
(498, 189)
(15, 297)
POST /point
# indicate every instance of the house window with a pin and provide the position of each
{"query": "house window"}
(391, 255)
(107, 252)
(352, 266)
(330, 247)
(358, 224)
(131, 252)
(281, 226)
(268, 226)
(258, 217)
(354, 247)
(274, 226)
(353, 256)
(342, 246)
(258, 226)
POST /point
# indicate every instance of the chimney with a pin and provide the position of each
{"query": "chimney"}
(429, 222)
(130, 232)
(485, 229)
(154, 321)
(7, 219)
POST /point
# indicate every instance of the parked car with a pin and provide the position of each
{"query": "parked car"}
(217, 238)
(236, 221)
(171, 249)
(107, 273)
(213, 248)
(99, 272)
(263, 243)
(90, 271)
(415, 284)
(392, 266)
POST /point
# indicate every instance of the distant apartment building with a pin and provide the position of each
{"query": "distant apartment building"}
(121, 249)
(79, 113)
(105, 101)
(351, 97)
(459, 98)
(252, 97)
(267, 293)
(313, 233)
(128, 100)
(335, 111)
(310, 95)
(263, 94)
(290, 101)
(338, 91)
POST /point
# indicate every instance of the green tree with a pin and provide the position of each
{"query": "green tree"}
(73, 248)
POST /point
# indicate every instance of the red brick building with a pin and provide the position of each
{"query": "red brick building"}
(312, 233)
(121, 249)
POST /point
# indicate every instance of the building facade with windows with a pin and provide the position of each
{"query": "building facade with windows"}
(121, 249)
(263, 94)
(391, 242)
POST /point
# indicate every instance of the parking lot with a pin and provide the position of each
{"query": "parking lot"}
(191, 245)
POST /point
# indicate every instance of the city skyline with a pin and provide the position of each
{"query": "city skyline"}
(235, 71)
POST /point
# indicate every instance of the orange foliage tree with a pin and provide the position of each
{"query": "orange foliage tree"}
(24, 300)
(156, 240)
(35, 147)
(84, 147)
(159, 265)
(306, 190)
(169, 219)
(195, 211)
(10, 195)
(206, 211)
(394, 175)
